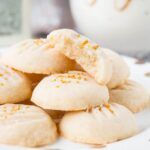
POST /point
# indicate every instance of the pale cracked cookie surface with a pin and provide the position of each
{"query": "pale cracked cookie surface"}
(101, 63)
(37, 56)
(99, 125)
(25, 125)
(74, 90)
(132, 95)
(14, 86)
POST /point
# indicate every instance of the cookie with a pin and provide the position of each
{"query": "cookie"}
(26, 125)
(99, 125)
(120, 70)
(105, 66)
(70, 91)
(37, 56)
(132, 95)
(14, 86)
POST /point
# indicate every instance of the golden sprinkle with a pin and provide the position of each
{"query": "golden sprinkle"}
(4, 109)
(11, 111)
(65, 81)
(92, 47)
(38, 41)
(95, 47)
(1, 84)
(49, 46)
(99, 108)
(78, 35)
(16, 108)
(67, 78)
(108, 107)
(82, 45)
(68, 41)
(57, 86)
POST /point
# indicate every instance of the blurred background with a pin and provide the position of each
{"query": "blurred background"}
(121, 25)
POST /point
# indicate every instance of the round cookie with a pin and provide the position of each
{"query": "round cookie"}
(130, 94)
(106, 66)
(99, 125)
(70, 91)
(14, 86)
(37, 56)
(26, 125)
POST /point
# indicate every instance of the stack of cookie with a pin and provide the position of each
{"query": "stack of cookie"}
(67, 77)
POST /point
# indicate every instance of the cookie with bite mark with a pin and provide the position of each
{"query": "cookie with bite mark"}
(106, 66)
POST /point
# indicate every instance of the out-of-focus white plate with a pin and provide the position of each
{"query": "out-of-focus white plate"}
(140, 141)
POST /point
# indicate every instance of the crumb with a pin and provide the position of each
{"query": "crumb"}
(146, 13)
(147, 74)
(139, 61)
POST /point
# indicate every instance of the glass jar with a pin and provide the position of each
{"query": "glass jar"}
(14, 21)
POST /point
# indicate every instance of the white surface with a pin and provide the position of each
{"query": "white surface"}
(139, 142)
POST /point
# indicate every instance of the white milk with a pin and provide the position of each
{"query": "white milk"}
(123, 25)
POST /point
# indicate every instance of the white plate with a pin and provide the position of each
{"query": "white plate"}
(139, 142)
